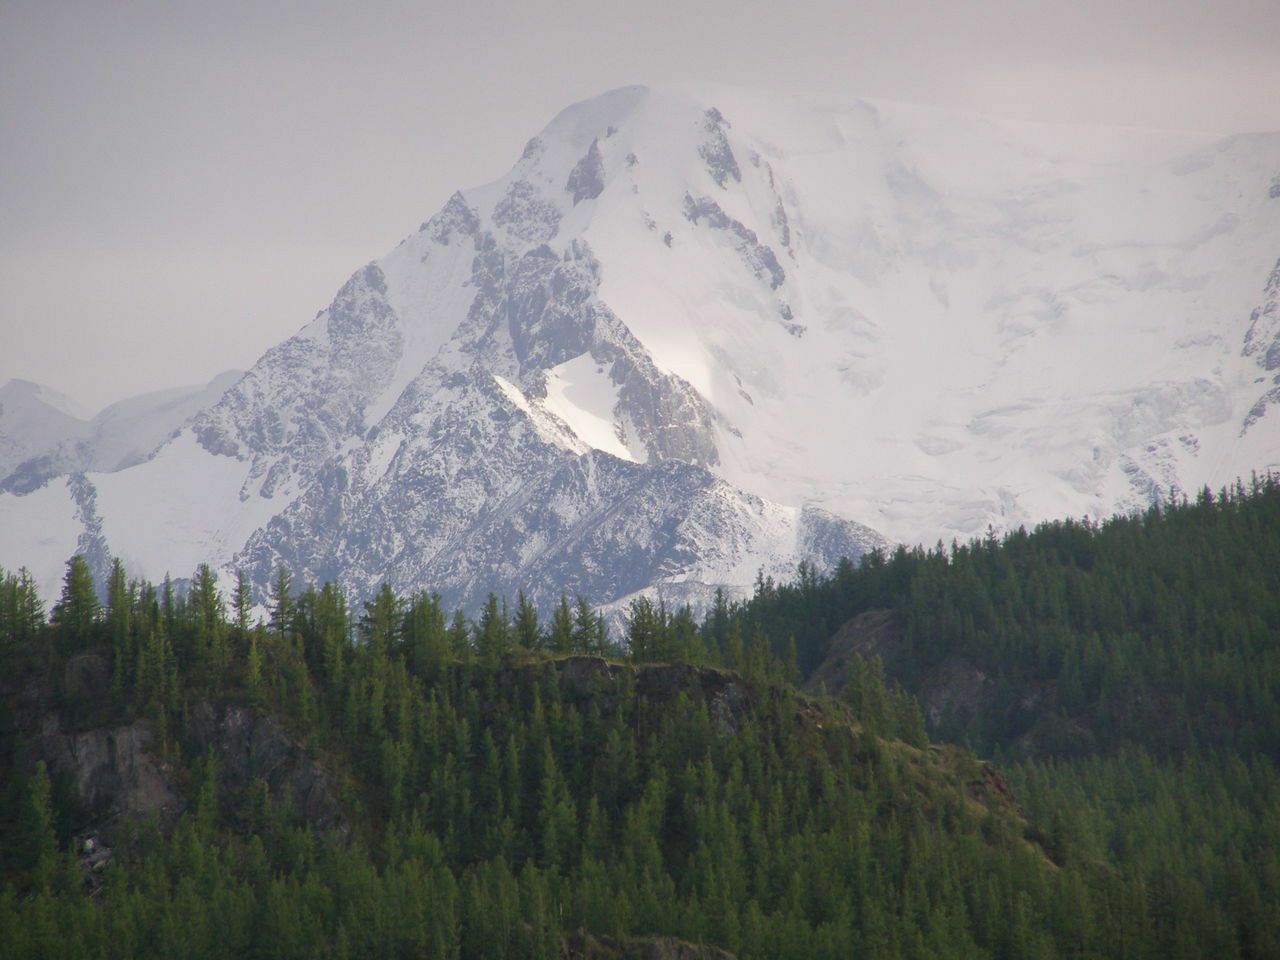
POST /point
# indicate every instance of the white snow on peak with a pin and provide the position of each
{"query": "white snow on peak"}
(548, 428)
(40, 531)
(981, 321)
(922, 320)
(31, 391)
(178, 510)
(581, 394)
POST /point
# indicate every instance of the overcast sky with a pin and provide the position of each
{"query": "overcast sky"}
(184, 184)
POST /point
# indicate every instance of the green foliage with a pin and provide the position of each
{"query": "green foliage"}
(21, 610)
(76, 612)
(1156, 629)
(495, 807)
(497, 796)
(1134, 678)
(38, 833)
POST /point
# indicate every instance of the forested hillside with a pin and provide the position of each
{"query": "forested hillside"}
(1125, 675)
(182, 781)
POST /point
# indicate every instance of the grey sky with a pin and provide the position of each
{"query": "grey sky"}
(184, 184)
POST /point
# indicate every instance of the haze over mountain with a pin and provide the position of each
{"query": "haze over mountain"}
(696, 333)
(45, 434)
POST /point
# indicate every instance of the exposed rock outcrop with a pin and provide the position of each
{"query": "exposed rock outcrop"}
(727, 695)
(115, 771)
(584, 946)
(120, 772)
(250, 746)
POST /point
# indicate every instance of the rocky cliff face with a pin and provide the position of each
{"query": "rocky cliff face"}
(120, 772)
(250, 746)
(115, 772)
(954, 689)
(1262, 344)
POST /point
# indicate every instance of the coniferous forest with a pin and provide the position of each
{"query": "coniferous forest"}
(1059, 743)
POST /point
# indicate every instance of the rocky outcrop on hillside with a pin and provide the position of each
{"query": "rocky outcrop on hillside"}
(120, 771)
(953, 691)
(250, 746)
(116, 772)
(581, 945)
(727, 695)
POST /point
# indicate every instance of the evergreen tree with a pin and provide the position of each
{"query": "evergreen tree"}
(120, 602)
(38, 829)
(646, 630)
(493, 631)
(21, 610)
(209, 652)
(282, 602)
(560, 638)
(380, 626)
(588, 629)
(460, 636)
(76, 612)
(528, 634)
(242, 605)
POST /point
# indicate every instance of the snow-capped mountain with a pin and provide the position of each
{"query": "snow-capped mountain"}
(696, 333)
(34, 418)
(44, 435)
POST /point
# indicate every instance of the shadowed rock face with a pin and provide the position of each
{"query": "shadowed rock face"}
(584, 946)
(486, 493)
(870, 634)
(727, 695)
(1262, 340)
(114, 771)
(306, 398)
(716, 152)
(113, 768)
(586, 180)
(955, 688)
(758, 257)
(252, 747)
(118, 773)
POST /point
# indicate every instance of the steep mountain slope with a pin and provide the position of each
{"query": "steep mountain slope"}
(696, 333)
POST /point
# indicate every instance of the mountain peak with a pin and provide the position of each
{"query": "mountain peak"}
(28, 390)
(694, 333)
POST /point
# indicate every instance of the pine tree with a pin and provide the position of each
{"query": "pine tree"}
(21, 611)
(29, 609)
(242, 604)
(120, 603)
(208, 614)
(588, 629)
(38, 830)
(686, 641)
(528, 635)
(332, 640)
(76, 612)
(460, 636)
(560, 638)
(493, 632)
(282, 602)
(645, 629)
(253, 668)
(380, 626)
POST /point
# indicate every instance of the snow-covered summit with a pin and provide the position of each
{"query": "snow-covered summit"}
(697, 332)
